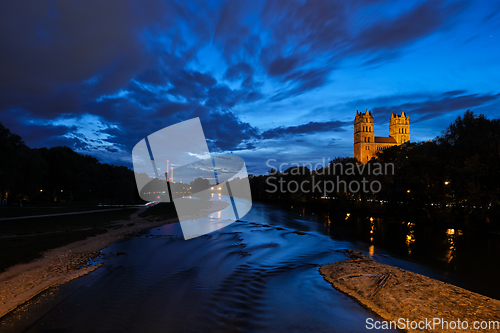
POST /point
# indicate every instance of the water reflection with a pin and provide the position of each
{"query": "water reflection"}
(234, 278)
(372, 230)
(410, 237)
(392, 235)
(451, 241)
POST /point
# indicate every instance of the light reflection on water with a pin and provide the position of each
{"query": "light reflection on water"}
(451, 241)
(452, 255)
(410, 237)
(250, 276)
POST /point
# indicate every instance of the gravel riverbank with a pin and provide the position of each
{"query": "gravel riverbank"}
(394, 293)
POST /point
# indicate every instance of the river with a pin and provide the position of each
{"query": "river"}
(251, 276)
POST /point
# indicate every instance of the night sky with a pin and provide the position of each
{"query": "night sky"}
(275, 79)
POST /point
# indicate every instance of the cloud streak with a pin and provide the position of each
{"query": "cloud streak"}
(309, 128)
(435, 107)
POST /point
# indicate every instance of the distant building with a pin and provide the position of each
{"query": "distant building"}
(366, 144)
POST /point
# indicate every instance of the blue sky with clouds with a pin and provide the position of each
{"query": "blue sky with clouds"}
(268, 79)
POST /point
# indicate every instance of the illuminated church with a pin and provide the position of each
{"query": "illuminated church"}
(366, 144)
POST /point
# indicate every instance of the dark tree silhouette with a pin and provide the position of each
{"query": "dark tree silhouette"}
(58, 174)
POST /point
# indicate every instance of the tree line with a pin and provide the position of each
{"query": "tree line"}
(453, 177)
(58, 174)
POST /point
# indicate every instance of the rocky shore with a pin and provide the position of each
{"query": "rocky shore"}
(401, 296)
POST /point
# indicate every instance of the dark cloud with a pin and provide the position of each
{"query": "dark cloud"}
(136, 92)
(302, 81)
(454, 92)
(145, 110)
(280, 66)
(223, 130)
(141, 67)
(311, 127)
(378, 60)
(241, 70)
(221, 96)
(226, 132)
(190, 84)
(319, 24)
(252, 46)
(48, 105)
(49, 48)
(232, 34)
(40, 134)
(153, 76)
(336, 30)
(129, 122)
(437, 106)
(392, 33)
(58, 55)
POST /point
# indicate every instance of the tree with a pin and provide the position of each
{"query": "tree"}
(198, 187)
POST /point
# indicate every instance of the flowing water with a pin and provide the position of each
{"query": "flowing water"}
(252, 276)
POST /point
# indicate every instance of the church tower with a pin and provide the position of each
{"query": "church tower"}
(399, 127)
(364, 136)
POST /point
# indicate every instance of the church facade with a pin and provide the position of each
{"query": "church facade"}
(366, 144)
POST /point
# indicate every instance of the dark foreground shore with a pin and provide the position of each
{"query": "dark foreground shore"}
(22, 282)
(416, 303)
